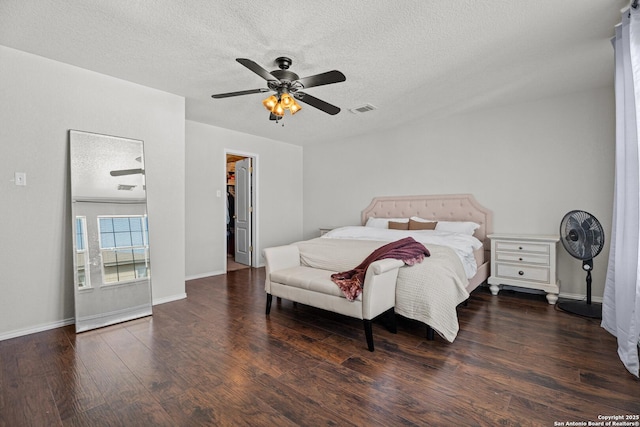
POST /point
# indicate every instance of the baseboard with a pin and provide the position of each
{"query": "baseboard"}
(36, 328)
(177, 297)
(72, 320)
(209, 274)
(212, 273)
(580, 297)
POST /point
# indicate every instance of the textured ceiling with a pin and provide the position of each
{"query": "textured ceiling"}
(413, 60)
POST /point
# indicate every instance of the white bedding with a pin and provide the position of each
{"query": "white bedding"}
(429, 291)
(463, 245)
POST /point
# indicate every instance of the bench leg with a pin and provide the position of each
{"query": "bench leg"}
(393, 326)
(269, 298)
(368, 333)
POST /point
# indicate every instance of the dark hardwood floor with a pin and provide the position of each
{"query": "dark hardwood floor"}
(216, 359)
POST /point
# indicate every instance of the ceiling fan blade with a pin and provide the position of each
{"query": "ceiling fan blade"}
(126, 172)
(241, 92)
(257, 69)
(329, 77)
(317, 103)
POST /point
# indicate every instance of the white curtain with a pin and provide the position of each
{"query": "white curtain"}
(621, 301)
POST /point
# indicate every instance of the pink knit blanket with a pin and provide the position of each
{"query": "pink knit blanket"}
(407, 250)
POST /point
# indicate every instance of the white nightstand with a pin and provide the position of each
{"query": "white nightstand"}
(526, 261)
(325, 230)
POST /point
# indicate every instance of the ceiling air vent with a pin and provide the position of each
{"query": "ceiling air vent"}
(362, 109)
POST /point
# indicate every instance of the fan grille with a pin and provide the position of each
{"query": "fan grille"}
(581, 235)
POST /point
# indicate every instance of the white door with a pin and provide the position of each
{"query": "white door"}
(243, 212)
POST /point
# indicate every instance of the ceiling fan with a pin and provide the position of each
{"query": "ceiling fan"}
(288, 88)
(122, 172)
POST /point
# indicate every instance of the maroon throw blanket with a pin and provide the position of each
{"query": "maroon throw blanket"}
(407, 250)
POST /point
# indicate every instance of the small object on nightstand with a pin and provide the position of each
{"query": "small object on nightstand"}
(325, 230)
(526, 261)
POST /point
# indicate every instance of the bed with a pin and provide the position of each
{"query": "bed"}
(431, 291)
(446, 207)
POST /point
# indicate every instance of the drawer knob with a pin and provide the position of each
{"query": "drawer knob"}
(520, 247)
(521, 273)
(519, 259)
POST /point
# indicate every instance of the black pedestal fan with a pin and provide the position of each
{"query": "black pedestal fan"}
(583, 237)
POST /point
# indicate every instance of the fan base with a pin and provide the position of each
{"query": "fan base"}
(581, 308)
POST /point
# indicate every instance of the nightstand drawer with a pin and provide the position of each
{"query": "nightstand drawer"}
(522, 258)
(519, 272)
(522, 247)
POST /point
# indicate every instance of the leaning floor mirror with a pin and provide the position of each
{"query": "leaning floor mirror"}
(110, 232)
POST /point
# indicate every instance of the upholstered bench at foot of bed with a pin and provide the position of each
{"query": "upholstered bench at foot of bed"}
(286, 278)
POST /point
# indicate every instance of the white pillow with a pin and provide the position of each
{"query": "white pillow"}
(383, 222)
(464, 227)
(418, 219)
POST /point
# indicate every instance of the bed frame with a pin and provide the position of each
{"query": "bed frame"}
(445, 207)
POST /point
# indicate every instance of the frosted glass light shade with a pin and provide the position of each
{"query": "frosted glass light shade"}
(286, 100)
(278, 110)
(295, 107)
(270, 102)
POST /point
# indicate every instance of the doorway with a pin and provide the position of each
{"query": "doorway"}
(240, 210)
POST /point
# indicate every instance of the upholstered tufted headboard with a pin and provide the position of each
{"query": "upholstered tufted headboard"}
(446, 207)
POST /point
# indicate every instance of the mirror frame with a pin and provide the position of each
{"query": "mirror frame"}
(108, 181)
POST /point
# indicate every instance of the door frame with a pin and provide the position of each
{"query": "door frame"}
(255, 258)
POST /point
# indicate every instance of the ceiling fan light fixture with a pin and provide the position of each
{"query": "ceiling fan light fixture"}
(270, 102)
(295, 107)
(278, 110)
(286, 100)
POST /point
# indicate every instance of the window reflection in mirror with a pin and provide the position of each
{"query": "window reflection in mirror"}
(82, 258)
(124, 248)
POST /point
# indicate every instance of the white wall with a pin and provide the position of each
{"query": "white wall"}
(530, 163)
(279, 186)
(41, 101)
